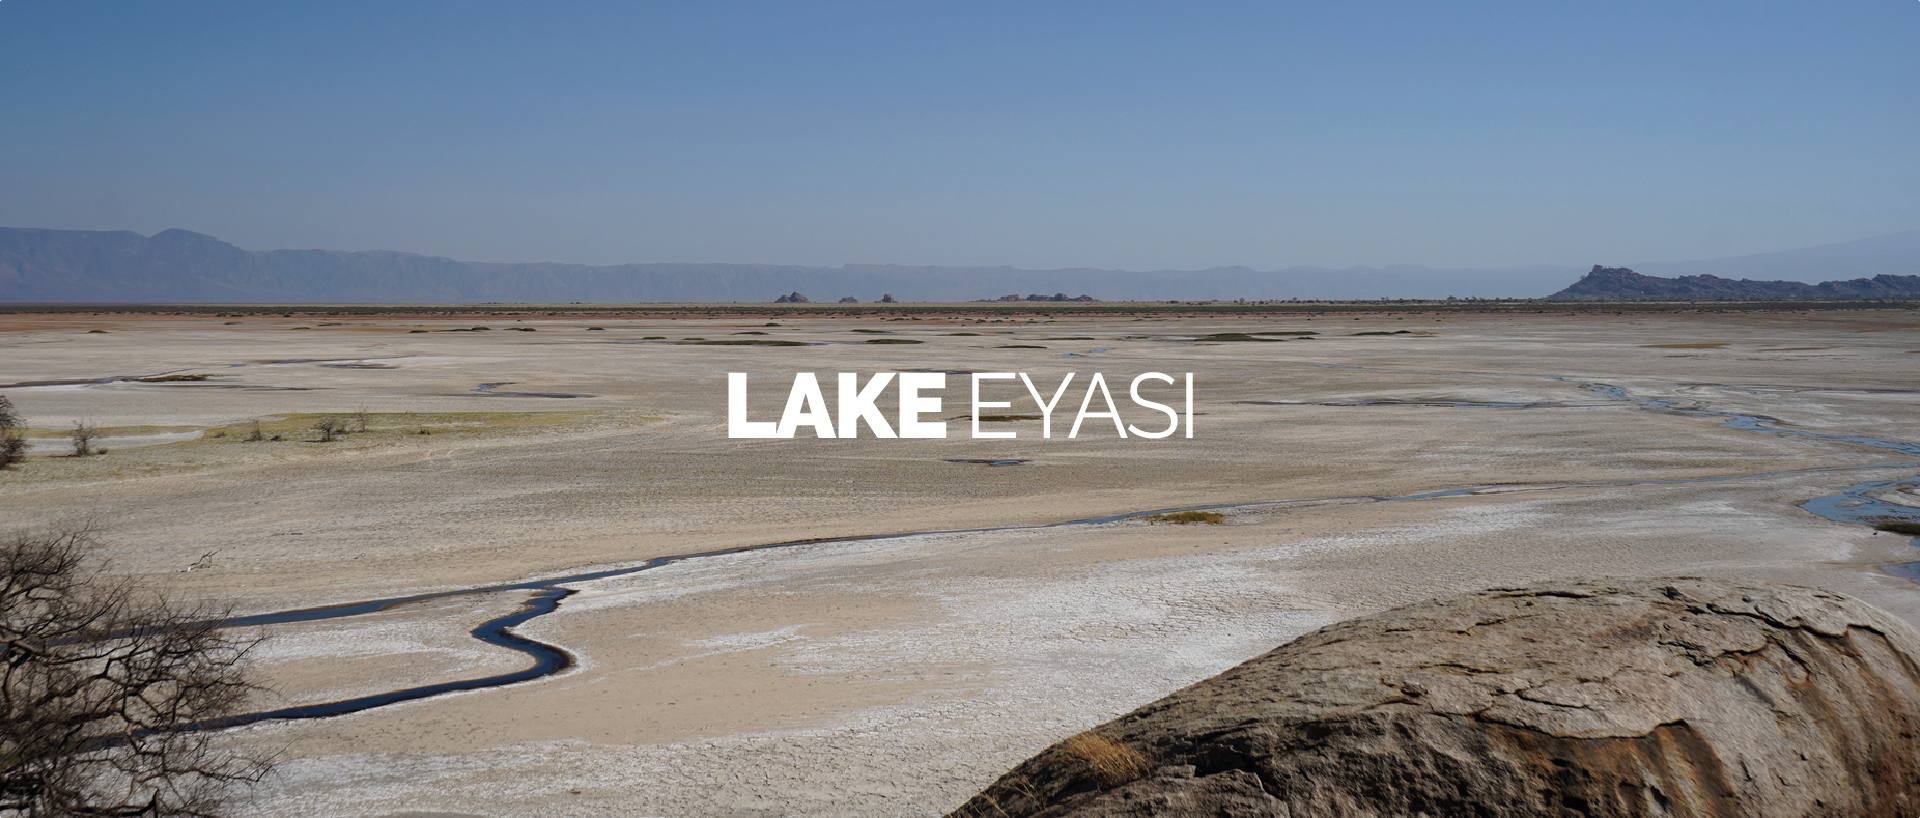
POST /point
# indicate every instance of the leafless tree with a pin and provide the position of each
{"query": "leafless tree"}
(13, 445)
(360, 420)
(328, 428)
(254, 434)
(83, 436)
(102, 689)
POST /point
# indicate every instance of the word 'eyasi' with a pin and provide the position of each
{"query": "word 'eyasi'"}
(918, 406)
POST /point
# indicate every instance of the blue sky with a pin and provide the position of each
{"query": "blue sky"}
(1139, 135)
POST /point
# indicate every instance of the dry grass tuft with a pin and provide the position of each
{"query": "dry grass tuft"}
(1112, 763)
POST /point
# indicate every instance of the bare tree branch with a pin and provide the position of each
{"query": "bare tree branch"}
(101, 686)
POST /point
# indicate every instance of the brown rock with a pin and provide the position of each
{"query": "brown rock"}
(1644, 697)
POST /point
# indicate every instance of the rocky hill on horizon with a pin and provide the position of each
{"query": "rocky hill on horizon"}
(1622, 284)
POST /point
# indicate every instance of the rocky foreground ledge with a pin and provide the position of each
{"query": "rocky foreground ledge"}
(1646, 697)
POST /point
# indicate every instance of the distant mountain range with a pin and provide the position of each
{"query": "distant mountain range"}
(181, 266)
(1622, 284)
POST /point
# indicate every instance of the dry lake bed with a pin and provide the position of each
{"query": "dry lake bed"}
(921, 619)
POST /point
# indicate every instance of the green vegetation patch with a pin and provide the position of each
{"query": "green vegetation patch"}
(298, 425)
(1238, 336)
(743, 342)
(59, 433)
(1907, 527)
(282, 438)
(1188, 518)
(386, 425)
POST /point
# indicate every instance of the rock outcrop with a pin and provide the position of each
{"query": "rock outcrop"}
(1622, 284)
(1662, 697)
(1083, 297)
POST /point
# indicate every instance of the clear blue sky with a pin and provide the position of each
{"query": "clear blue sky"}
(1140, 135)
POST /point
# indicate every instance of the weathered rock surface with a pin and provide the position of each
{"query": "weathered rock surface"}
(1646, 697)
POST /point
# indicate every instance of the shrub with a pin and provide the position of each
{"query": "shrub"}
(83, 436)
(328, 428)
(13, 447)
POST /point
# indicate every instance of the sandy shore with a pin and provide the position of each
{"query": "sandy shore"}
(896, 676)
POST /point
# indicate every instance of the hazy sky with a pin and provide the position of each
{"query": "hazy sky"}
(1141, 135)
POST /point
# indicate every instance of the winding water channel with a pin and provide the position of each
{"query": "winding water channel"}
(1862, 504)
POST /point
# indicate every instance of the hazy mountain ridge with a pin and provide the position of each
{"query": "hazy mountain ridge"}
(1623, 284)
(40, 265)
(44, 265)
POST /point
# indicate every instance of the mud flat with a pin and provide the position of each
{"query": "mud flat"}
(898, 674)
